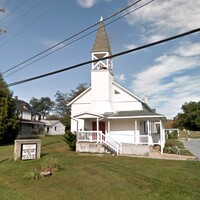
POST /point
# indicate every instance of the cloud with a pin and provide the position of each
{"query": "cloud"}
(87, 3)
(170, 81)
(47, 42)
(163, 18)
(120, 77)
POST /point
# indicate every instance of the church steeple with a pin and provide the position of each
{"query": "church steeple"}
(101, 49)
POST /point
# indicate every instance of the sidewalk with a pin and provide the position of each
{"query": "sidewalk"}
(155, 154)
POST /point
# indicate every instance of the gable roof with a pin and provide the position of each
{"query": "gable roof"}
(51, 122)
(136, 114)
(79, 96)
(101, 43)
(116, 84)
(128, 92)
(25, 107)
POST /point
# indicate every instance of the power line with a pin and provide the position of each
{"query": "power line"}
(77, 39)
(108, 57)
(65, 40)
(14, 9)
(13, 22)
(35, 20)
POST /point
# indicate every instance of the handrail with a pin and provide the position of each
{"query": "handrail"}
(113, 144)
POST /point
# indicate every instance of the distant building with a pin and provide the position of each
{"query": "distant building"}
(106, 116)
(30, 124)
(53, 127)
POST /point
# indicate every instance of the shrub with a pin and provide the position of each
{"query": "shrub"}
(70, 139)
(173, 135)
(34, 174)
(52, 165)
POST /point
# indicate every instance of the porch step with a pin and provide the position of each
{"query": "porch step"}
(108, 149)
(154, 152)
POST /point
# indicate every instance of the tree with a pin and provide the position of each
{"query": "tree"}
(9, 123)
(190, 116)
(43, 105)
(61, 101)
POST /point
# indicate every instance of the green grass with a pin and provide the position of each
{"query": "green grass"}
(97, 177)
(179, 144)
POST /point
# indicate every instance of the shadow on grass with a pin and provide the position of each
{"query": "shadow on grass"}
(43, 155)
(1, 161)
(50, 143)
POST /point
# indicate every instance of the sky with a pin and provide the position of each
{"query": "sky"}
(169, 73)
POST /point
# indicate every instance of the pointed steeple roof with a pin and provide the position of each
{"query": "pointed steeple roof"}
(101, 43)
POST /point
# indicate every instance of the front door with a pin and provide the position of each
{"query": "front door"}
(101, 128)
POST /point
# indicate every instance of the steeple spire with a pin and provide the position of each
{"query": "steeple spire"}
(101, 49)
(101, 43)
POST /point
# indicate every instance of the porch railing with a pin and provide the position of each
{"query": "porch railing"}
(99, 137)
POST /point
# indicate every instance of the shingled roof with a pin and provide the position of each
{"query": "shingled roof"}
(101, 43)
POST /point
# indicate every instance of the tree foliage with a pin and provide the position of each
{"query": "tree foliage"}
(9, 123)
(61, 101)
(189, 118)
(70, 139)
(43, 105)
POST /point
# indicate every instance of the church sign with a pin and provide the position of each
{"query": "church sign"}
(29, 151)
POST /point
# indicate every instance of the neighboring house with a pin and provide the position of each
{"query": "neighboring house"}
(108, 117)
(170, 128)
(53, 127)
(30, 124)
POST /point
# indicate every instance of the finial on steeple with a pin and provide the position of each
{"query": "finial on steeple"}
(101, 19)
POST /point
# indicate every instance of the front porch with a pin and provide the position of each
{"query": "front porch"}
(100, 134)
(98, 142)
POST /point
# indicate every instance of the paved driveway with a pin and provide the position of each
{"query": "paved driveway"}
(193, 146)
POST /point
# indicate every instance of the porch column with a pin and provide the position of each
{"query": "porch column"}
(108, 126)
(135, 133)
(148, 130)
(97, 129)
(161, 137)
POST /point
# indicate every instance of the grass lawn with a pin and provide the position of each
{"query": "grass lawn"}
(193, 134)
(97, 177)
(179, 144)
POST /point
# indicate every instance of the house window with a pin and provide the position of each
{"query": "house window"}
(55, 128)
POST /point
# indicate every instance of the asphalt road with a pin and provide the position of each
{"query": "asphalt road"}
(193, 145)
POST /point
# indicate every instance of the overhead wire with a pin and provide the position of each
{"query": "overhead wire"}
(13, 10)
(7, 2)
(69, 38)
(35, 20)
(77, 39)
(17, 19)
(108, 57)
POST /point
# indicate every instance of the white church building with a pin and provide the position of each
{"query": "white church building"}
(106, 117)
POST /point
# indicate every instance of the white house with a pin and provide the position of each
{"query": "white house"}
(53, 127)
(107, 117)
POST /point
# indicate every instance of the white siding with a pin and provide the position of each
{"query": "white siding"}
(122, 130)
(26, 115)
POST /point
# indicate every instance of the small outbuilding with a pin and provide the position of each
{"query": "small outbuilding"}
(53, 127)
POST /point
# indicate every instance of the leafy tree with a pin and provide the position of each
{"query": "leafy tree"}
(43, 105)
(190, 116)
(70, 139)
(9, 123)
(61, 101)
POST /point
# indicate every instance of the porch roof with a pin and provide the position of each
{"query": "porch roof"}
(135, 114)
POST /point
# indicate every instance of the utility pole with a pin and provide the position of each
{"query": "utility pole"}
(2, 30)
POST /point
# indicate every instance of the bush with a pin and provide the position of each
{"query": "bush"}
(171, 148)
(173, 135)
(52, 165)
(70, 139)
